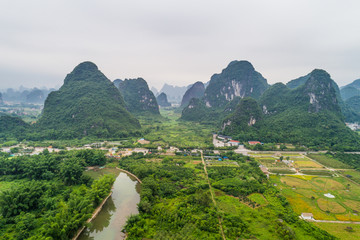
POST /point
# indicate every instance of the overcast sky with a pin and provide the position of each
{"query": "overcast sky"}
(177, 42)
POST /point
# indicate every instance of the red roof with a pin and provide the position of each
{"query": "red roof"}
(234, 141)
(254, 142)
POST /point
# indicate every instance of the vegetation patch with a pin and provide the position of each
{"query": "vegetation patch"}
(328, 160)
(281, 171)
(317, 172)
(258, 198)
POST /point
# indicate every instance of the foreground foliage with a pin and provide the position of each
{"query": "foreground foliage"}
(49, 197)
(176, 202)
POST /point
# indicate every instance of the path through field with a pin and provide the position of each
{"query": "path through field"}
(212, 195)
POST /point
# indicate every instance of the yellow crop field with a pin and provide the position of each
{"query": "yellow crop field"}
(304, 177)
(295, 182)
(300, 206)
(306, 164)
(330, 205)
(348, 217)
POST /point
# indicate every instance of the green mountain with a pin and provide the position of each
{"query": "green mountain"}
(162, 100)
(354, 104)
(138, 97)
(195, 91)
(246, 114)
(12, 127)
(349, 114)
(117, 82)
(195, 111)
(238, 79)
(88, 104)
(308, 115)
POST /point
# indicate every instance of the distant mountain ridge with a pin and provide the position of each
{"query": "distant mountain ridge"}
(350, 90)
(33, 95)
(174, 93)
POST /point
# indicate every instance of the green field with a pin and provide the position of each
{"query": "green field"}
(341, 231)
(352, 174)
(169, 131)
(328, 161)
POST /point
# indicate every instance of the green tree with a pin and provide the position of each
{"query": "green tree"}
(71, 171)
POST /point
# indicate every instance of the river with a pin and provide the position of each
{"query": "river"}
(112, 217)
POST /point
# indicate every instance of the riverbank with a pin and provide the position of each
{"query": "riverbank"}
(131, 174)
(95, 213)
(100, 207)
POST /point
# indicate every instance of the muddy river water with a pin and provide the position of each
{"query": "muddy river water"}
(112, 218)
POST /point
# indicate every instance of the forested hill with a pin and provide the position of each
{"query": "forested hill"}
(238, 79)
(307, 115)
(195, 91)
(138, 97)
(162, 100)
(350, 114)
(12, 127)
(88, 104)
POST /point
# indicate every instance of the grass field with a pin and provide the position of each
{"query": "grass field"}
(281, 171)
(317, 172)
(258, 198)
(352, 174)
(271, 162)
(330, 205)
(170, 130)
(339, 230)
(328, 161)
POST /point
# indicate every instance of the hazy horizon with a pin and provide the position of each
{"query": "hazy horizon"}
(178, 43)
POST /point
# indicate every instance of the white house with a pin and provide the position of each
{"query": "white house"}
(307, 216)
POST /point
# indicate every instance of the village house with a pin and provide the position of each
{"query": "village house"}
(254, 142)
(307, 216)
(222, 137)
(233, 143)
